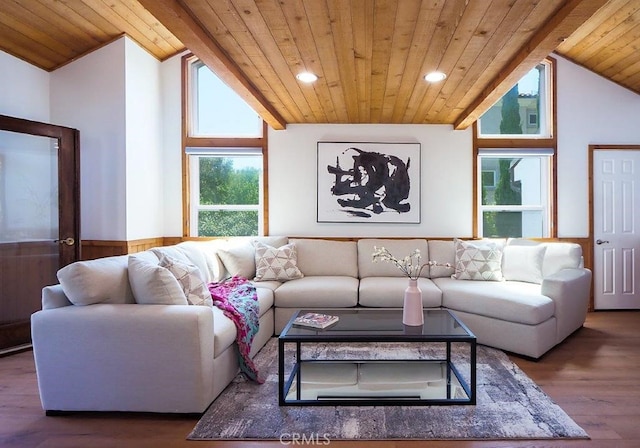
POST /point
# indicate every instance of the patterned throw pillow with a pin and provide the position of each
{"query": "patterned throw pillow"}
(189, 278)
(479, 260)
(276, 264)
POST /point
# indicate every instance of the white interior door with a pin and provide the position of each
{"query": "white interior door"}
(616, 192)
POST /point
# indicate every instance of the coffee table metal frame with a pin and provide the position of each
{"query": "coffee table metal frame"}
(394, 331)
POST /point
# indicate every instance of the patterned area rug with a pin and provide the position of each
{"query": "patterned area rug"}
(509, 406)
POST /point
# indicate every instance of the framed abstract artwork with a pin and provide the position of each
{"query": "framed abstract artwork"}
(364, 182)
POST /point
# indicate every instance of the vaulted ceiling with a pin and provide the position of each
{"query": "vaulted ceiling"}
(370, 55)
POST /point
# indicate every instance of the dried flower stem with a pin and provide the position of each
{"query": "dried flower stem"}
(411, 265)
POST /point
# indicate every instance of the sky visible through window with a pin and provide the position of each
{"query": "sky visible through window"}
(234, 119)
(529, 83)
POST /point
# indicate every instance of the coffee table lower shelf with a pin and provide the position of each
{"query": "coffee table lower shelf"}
(375, 383)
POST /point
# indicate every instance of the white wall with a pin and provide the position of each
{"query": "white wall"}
(591, 110)
(171, 79)
(447, 185)
(89, 95)
(24, 91)
(144, 164)
(113, 96)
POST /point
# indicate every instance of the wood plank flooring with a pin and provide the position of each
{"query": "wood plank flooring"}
(594, 376)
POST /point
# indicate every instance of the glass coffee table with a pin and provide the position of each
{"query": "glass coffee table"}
(315, 372)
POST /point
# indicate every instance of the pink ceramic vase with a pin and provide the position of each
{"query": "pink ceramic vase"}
(412, 312)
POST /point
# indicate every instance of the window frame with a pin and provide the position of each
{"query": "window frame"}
(228, 143)
(511, 143)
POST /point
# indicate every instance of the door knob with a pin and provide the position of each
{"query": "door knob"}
(68, 241)
(599, 241)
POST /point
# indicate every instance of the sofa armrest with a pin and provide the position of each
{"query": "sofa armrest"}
(570, 289)
(54, 297)
(125, 357)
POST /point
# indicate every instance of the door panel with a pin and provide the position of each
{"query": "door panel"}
(39, 209)
(616, 191)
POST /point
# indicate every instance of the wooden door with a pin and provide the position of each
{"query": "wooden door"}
(616, 236)
(39, 218)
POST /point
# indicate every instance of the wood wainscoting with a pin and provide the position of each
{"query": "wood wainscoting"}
(92, 249)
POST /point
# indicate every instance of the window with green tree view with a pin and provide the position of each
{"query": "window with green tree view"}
(515, 161)
(224, 153)
(228, 189)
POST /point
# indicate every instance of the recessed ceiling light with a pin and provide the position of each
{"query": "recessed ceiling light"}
(434, 77)
(307, 77)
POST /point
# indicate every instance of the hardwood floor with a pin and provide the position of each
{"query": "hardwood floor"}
(594, 376)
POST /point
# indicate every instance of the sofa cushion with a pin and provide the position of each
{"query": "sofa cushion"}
(560, 256)
(224, 332)
(188, 276)
(318, 292)
(265, 298)
(557, 256)
(478, 260)
(238, 256)
(104, 280)
(181, 254)
(239, 260)
(151, 283)
(510, 301)
(195, 251)
(523, 263)
(398, 248)
(327, 257)
(389, 292)
(279, 264)
(442, 252)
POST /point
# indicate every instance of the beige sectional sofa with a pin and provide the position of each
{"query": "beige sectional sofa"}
(117, 333)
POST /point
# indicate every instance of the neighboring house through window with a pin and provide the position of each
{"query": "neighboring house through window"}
(224, 158)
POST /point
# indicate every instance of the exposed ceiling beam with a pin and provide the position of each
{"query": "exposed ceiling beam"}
(179, 21)
(567, 19)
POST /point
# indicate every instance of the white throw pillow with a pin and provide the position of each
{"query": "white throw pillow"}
(103, 280)
(239, 260)
(276, 263)
(153, 284)
(188, 277)
(523, 263)
(479, 260)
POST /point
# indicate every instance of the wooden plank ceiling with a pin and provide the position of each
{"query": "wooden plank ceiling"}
(370, 55)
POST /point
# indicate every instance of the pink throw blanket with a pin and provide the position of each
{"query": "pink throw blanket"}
(237, 299)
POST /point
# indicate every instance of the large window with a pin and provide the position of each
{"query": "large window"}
(515, 187)
(515, 146)
(224, 158)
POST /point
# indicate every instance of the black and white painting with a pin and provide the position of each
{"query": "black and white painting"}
(369, 182)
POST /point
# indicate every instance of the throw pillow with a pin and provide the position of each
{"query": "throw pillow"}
(188, 277)
(523, 263)
(478, 260)
(153, 284)
(103, 280)
(239, 260)
(276, 264)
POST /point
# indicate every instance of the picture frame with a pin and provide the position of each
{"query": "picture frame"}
(368, 182)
